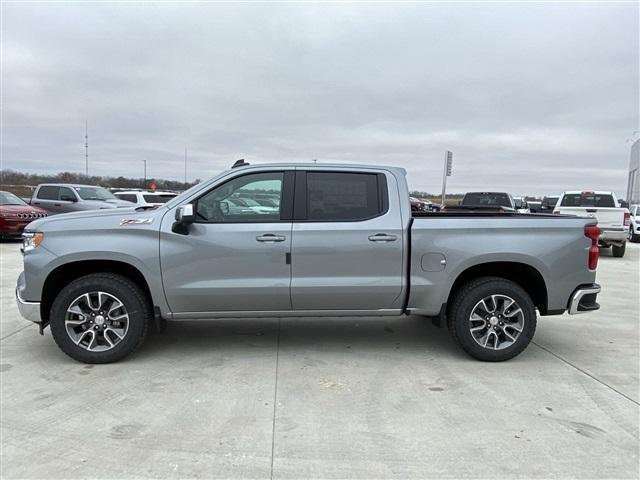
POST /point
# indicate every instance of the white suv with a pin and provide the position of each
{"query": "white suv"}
(146, 198)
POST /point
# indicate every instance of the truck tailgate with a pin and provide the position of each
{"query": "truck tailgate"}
(608, 218)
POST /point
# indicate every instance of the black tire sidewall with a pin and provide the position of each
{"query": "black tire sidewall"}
(618, 252)
(466, 303)
(122, 288)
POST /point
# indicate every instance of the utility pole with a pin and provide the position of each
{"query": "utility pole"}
(185, 166)
(145, 174)
(86, 148)
(448, 164)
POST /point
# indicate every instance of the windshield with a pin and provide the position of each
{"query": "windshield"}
(486, 199)
(94, 193)
(7, 198)
(588, 200)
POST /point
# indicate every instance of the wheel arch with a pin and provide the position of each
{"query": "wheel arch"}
(64, 274)
(522, 274)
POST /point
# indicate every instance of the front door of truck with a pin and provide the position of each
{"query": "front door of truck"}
(235, 257)
(347, 247)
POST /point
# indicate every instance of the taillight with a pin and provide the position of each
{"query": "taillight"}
(592, 232)
(627, 219)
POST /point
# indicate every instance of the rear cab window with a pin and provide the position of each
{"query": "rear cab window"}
(486, 199)
(588, 200)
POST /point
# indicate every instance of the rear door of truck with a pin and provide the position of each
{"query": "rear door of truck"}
(347, 240)
(46, 196)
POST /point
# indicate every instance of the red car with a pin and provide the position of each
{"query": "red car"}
(15, 214)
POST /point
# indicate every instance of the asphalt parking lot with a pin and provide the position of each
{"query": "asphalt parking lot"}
(328, 398)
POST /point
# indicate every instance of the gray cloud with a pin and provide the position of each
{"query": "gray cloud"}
(531, 98)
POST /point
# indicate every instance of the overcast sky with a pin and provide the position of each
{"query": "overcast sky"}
(531, 99)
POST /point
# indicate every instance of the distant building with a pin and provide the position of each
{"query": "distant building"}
(633, 184)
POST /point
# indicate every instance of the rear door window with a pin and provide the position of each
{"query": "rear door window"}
(337, 196)
(588, 200)
(48, 192)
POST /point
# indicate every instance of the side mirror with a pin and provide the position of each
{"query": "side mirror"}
(68, 198)
(185, 215)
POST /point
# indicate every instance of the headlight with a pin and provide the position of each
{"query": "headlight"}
(30, 240)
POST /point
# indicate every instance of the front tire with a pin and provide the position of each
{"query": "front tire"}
(100, 318)
(618, 250)
(492, 319)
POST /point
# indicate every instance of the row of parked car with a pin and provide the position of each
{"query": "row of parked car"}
(50, 199)
(618, 224)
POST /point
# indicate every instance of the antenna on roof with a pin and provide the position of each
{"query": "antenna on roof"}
(240, 163)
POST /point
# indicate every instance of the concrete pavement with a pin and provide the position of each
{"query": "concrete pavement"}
(328, 398)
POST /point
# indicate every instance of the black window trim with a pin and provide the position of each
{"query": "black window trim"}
(286, 198)
(300, 213)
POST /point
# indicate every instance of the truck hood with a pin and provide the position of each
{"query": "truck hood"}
(96, 219)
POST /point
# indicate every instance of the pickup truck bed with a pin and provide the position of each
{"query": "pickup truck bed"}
(342, 242)
(462, 241)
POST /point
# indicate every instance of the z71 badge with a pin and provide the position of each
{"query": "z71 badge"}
(136, 221)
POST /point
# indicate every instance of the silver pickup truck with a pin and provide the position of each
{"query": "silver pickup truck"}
(302, 240)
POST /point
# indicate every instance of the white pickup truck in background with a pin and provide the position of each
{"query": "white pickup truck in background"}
(613, 219)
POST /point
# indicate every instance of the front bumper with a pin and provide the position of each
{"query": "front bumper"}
(29, 310)
(583, 299)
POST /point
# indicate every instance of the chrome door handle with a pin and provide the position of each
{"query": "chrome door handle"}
(270, 238)
(382, 237)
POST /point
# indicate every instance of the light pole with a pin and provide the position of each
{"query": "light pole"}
(86, 148)
(448, 164)
(145, 174)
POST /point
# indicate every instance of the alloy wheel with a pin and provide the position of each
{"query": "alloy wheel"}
(97, 321)
(496, 322)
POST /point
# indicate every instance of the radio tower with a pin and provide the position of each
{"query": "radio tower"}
(86, 148)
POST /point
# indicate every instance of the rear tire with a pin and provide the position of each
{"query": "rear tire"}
(504, 333)
(100, 318)
(618, 251)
